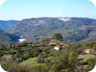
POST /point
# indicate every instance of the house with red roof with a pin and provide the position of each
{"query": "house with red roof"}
(58, 47)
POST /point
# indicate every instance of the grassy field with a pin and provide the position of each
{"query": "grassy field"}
(30, 61)
(86, 56)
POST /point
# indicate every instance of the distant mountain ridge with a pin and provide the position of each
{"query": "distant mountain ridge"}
(73, 29)
(8, 24)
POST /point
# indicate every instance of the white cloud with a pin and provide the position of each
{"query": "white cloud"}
(2, 2)
(93, 1)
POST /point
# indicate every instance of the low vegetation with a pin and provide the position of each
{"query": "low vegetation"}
(41, 57)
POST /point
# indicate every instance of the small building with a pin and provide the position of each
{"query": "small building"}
(88, 51)
(22, 40)
(57, 47)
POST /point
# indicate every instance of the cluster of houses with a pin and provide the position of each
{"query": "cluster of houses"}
(87, 51)
(59, 46)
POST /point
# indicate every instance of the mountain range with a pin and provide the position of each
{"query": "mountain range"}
(73, 29)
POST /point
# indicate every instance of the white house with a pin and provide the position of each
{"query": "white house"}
(57, 47)
(22, 40)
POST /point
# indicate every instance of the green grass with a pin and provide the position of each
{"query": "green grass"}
(87, 56)
(30, 61)
(50, 57)
(84, 59)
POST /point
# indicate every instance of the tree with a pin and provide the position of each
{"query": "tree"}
(57, 36)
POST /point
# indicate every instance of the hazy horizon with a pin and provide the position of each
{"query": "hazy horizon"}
(42, 17)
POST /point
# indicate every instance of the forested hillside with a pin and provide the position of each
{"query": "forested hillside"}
(8, 25)
(72, 29)
(8, 38)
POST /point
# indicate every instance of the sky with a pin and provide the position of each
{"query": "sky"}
(22, 9)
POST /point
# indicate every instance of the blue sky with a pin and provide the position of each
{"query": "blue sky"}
(21, 9)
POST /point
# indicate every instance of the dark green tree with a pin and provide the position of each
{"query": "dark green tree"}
(58, 36)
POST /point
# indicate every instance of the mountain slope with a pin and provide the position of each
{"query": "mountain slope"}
(72, 29)
(7, 38)
(7, 25)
